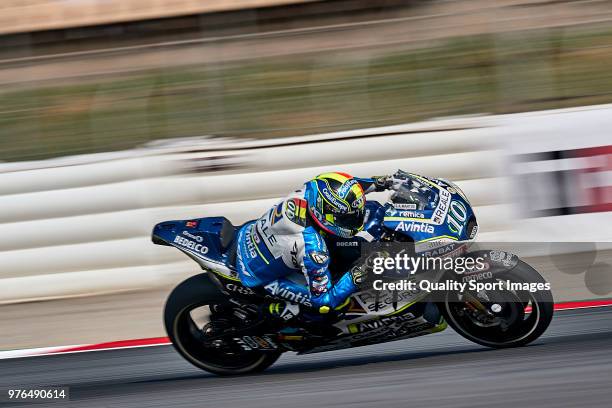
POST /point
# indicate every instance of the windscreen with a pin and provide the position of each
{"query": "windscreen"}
(414, 192)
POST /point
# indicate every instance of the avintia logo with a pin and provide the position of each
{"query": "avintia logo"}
(275, 289)
(414, 227)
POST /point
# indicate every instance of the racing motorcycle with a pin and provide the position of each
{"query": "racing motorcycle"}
(214, 321)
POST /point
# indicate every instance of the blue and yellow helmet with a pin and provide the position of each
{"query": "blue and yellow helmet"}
(336, 203)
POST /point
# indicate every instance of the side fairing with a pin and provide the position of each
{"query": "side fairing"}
(374, 216)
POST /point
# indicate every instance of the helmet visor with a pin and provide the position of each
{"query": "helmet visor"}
(351, 221)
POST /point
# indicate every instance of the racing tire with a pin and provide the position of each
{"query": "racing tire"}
(538, 315)
(195, 292)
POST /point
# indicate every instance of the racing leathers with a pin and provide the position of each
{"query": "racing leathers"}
(274, 250)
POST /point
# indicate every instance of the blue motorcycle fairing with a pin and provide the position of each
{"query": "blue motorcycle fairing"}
(448, 216)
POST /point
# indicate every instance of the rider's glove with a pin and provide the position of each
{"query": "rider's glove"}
(382, 183)
(359, 273)
(362, 270)
(392, 182)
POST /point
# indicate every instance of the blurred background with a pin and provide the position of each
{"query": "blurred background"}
(115, 115)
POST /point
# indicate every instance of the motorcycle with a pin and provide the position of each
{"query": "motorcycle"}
(214, 322)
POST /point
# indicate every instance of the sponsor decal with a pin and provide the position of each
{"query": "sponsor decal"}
(276, 290)
(347, 243)
(411, 214)
(346, 187)
(248, 343)
(276, 214)
(478, 276)
(397, 331)
(295, 210)
(405, 206)
(251, 238)
(384, 321)
(442, 208)
(400, 318)
(291, 209)
(187, 243)
(358, 203)
(319, 257)
(194, 237)
(474, 231)
(429, 245)
(266, 231)
(449, 250)
(192, 224)
(380, 300)
(332, 199)
(414, 227)
(411, 328)
(506, 258)
(266, 340)
(232, 287)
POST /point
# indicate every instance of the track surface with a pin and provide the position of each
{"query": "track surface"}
(570, 366)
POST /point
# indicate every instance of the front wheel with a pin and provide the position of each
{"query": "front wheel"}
(503, 317)
(193, 312)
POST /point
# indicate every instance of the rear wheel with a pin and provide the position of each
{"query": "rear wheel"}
(195, 312)
(501, 318)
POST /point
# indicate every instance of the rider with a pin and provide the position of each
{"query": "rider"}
(289, 238)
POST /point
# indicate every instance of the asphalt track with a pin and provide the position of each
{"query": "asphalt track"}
(570, 366)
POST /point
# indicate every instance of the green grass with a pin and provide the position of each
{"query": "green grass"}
(311, 93)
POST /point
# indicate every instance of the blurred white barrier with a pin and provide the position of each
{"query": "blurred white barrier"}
(226, 188)
(402, 141)
(81, 225)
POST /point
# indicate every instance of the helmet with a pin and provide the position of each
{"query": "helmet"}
(336, 203)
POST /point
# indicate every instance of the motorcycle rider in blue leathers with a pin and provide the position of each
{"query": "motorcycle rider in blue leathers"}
(287, 241)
